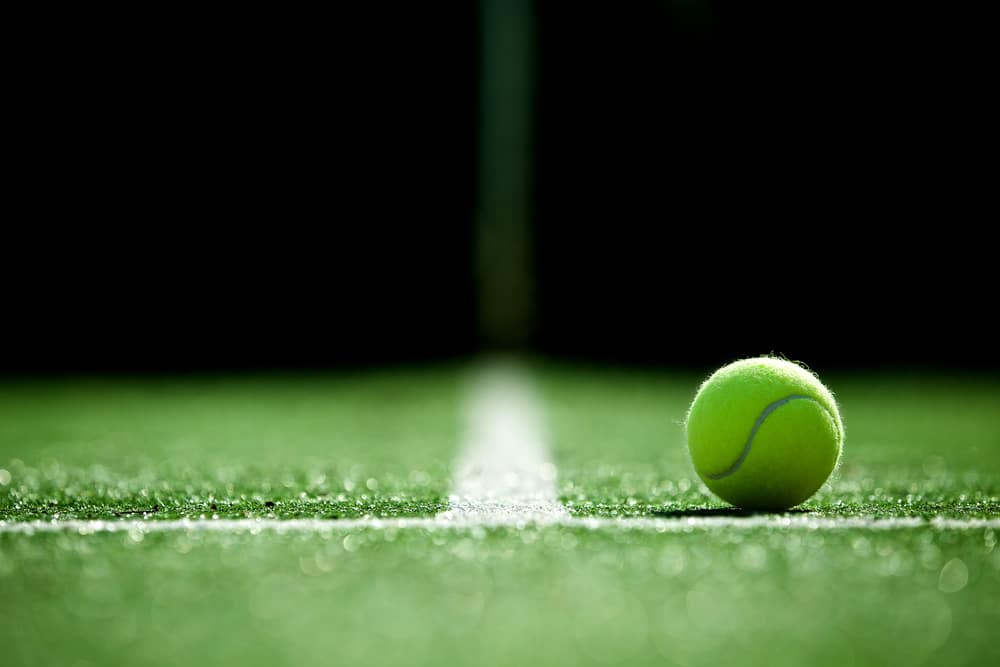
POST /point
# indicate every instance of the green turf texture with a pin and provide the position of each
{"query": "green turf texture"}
(264, 446)
(916, 445)
(382, 444)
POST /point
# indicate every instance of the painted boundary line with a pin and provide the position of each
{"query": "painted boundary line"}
(504, 472)
(517, 522)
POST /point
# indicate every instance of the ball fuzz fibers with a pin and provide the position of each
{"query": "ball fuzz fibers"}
(764, 434)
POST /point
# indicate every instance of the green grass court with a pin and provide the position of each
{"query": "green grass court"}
(380, 444)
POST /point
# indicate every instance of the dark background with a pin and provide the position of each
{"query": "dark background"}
(711, 180)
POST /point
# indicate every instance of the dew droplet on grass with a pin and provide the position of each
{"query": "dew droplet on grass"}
(954, 576)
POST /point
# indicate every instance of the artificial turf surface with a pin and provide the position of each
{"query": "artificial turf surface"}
(382, 444)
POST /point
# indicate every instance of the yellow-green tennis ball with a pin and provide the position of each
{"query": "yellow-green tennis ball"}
(764, 433)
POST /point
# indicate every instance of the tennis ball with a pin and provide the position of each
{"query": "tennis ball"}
(764, 433)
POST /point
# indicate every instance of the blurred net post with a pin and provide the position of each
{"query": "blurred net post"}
(503, 217)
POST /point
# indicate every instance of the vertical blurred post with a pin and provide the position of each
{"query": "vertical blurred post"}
(503, 228)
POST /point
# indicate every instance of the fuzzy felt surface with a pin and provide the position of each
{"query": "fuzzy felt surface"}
(764, 433)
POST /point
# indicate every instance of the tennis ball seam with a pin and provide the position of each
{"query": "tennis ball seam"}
(735, 467)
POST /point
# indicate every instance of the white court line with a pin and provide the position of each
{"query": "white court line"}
(504, 471)
(440, 522)
(504, 479)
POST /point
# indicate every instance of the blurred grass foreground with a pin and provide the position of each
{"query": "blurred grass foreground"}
(382, 444)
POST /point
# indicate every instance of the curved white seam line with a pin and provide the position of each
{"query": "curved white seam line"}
(753, 432)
